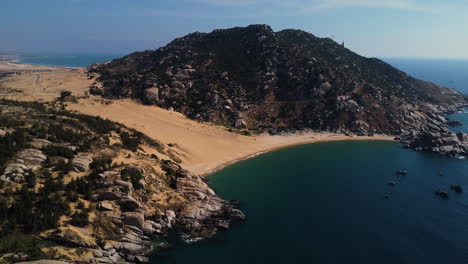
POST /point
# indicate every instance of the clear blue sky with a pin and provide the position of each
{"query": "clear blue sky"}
(380, 28)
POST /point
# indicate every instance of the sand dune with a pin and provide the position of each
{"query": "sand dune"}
(203, 147)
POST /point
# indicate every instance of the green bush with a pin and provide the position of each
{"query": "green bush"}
(132, 175)
(59, 151)
(130, 142)
(80, 218)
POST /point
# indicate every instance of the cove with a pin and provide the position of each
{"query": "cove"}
(324, 203)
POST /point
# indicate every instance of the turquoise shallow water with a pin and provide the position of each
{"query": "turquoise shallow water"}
(324, 203)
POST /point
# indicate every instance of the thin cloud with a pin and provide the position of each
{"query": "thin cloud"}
(406, 5)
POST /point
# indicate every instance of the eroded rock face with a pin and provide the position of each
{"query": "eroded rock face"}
(24, 161)
(441, 141)
(81, 163)
(206, 213)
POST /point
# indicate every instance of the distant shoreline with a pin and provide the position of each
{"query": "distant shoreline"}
(14, 66)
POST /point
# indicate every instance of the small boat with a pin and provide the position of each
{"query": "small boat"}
(392, 184)
(442, 194)
(403, 173)
(456, 188)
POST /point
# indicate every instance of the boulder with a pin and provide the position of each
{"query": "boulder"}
(135, 219)
(240, 123)
(31, 156)
(152, 95)
(131, 248)
(129, 203)
(446, 149)
(105, 206)
(108, 184)
(108, 174)
(40, 143)
(126, 185)
(141, 259)
(171, 217)
(134, 168)
(111, 196)
(463, 137)
(81, 163)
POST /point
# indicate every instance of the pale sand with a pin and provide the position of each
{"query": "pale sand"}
(44, 86)
(12, 66)
(202, 147)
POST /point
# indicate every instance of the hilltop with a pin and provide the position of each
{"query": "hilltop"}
(256, 78)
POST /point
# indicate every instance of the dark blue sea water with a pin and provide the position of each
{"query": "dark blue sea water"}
(324, 203)
(448, 73)
(68, 60)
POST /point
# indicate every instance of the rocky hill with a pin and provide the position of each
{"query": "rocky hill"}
(87, 190)
(256, 78)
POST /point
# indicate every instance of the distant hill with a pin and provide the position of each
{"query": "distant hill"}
(256, 78)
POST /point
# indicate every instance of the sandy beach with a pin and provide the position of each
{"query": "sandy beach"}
(203, 147)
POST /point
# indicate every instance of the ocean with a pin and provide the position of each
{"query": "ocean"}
(325, 203)
(67, 60)
(445, 72)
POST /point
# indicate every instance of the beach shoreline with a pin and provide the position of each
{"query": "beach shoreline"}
(286, 145)
(14, 66)
(204, 148)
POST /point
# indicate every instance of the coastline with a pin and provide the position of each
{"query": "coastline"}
(14, 66)
(286, 145)
(203, 147)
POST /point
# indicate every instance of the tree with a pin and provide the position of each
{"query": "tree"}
(30, 179)
(64, 94)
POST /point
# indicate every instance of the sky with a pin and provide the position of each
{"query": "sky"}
(372, 28)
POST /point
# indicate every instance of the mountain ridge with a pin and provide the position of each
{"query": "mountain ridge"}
(254, 77)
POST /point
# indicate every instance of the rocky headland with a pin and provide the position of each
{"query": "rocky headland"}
(84, 189)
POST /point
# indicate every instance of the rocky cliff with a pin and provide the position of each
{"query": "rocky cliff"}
(256, 78)
(84, 189)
